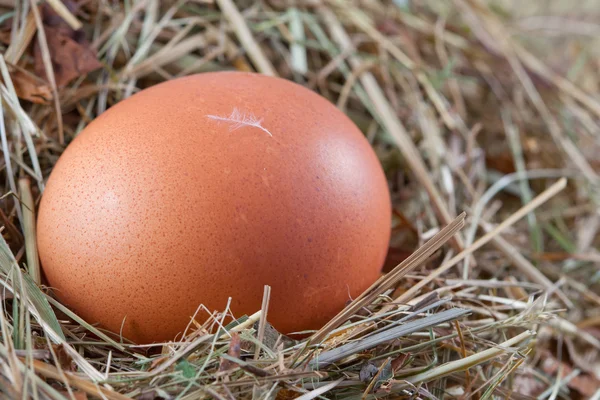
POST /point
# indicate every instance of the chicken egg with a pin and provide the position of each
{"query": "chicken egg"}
(206, 188)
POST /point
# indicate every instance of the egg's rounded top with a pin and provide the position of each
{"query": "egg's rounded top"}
(209, 187)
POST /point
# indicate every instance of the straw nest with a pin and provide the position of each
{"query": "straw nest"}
(475, 106)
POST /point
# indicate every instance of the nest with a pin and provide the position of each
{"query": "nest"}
(476, 109)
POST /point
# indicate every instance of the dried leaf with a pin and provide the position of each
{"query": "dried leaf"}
(71, 54)
(502, 162)
(51, 18)
(584, 383)
(63, 358)
(6, 30)
(394, 257)
(5, 36)
(234, 351)
(31, 88)
(287, 394)
(399, 361)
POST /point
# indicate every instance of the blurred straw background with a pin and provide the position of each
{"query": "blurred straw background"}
(485, 107)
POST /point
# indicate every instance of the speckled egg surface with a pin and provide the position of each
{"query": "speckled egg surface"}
(209, 187)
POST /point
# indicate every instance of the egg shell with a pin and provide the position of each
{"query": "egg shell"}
(208, 187)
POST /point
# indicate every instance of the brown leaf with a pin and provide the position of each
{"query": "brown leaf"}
(63, 358)
(31, 88)
(502, 162)
(234, 346)
(394, 257)
(5, 31)
(584, 383)
(399, 361)
(5, 36)
(70, 53)
(51, 18)
(70, 58)
(235, 351)
(287, 394)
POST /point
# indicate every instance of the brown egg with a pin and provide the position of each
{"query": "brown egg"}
(209, 187)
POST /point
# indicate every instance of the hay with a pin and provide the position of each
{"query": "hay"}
(475, 106)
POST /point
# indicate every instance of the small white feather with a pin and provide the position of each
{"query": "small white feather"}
(237, 120)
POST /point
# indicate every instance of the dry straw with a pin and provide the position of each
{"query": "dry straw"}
(474, 109)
